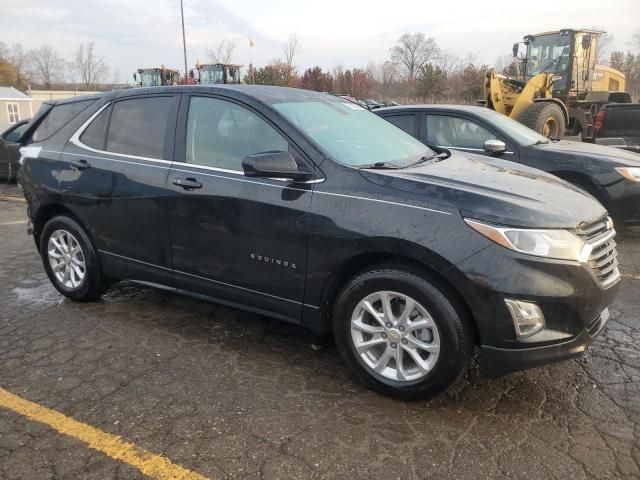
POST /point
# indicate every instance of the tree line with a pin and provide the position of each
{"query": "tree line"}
(417, 68)
(44, 68)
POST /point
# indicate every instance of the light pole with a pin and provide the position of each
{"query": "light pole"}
(184, 41)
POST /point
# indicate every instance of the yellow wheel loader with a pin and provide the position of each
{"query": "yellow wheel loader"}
(557, 88)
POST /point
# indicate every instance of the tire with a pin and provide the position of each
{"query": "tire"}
(546, 118)
(60, 231)
(443, 326)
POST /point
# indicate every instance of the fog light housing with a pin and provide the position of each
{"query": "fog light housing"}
(527, 317)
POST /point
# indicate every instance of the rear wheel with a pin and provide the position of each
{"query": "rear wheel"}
(70, 260)
(400, 334)
(546, 118)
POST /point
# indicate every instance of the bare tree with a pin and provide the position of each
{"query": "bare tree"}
(90, 68)
(223, 52)
(413, 51)
(604, 46)
(448, 61)
(47, 67)
(292, 49)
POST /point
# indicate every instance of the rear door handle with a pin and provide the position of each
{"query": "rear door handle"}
(80, 164)
(187, 183)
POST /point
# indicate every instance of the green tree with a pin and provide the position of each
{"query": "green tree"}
(431, 82)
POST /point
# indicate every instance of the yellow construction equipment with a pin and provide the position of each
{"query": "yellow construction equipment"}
(557, 88)
(157, 77)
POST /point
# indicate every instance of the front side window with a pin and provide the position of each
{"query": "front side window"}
(458, 132)
(221, 134)
(138, 126)
(13, 113)
(350, 134)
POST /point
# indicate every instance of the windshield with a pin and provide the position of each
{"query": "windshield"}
(211, 75)
(352, 135)
(151, 78)
(548, 53)
(522, 135)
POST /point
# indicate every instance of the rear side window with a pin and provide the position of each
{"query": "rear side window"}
(58, 117)
(94, 135)
(138, 126)
(408, 123)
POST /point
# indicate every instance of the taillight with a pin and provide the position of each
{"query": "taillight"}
(599, 120)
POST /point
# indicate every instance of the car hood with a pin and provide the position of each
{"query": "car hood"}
(495, 191)
(582, 149)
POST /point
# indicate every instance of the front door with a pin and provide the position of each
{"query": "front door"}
(243, 240)
(460, 133)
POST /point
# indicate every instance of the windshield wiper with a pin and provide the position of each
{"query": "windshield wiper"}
(380, 166)
(436, 157)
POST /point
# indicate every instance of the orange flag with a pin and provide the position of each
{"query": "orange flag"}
(251, 44)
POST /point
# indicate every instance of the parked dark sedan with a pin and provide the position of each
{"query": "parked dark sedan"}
(307, 207)
(611, 175)
(9, 154)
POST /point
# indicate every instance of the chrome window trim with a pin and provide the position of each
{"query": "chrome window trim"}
(244, 179)
(75, 139)
(206, 279)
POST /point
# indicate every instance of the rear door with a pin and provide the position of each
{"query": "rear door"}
(238, 239)
(114, 178)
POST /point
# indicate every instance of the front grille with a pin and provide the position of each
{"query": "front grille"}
(604, 256)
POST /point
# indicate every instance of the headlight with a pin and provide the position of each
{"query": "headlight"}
(630, 173)
(560, 244)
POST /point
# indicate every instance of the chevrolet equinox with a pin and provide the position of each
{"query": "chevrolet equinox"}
(309, 208)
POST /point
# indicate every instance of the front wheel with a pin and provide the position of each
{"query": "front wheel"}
(400, 333)
(545, 118)
(70, 260)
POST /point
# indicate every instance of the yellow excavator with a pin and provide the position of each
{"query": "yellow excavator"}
(557, 88)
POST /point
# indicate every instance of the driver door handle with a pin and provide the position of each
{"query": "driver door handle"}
(80, 164)
(186, 183)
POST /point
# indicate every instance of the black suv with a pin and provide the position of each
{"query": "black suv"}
(611, 175)
(308, 208)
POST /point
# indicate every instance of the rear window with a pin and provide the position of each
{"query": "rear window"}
(138, 126)
(58, 117)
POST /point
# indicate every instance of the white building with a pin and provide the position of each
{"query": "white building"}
(14, 106)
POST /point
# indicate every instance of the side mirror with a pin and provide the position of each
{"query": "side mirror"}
(273, 165)
(586, 42)
(135, 77)
(494, 146)
(515, 49)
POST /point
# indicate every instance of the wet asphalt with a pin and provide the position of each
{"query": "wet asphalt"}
(230, 394)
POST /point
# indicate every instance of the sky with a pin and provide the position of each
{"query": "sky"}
(134, 33)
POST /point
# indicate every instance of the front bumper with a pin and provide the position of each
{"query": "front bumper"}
(495, 362)
(569, 294)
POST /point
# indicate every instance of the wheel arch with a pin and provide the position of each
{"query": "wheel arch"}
(46, 213)
(365, 261)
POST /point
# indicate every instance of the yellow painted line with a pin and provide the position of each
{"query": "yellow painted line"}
(17, 222)
(630, 276)
(155, 466)
(5, 198)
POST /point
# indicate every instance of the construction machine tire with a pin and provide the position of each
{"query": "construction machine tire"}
(546, 118)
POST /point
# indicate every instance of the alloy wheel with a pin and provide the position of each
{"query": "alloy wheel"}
(66, 259)
(395, 336)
